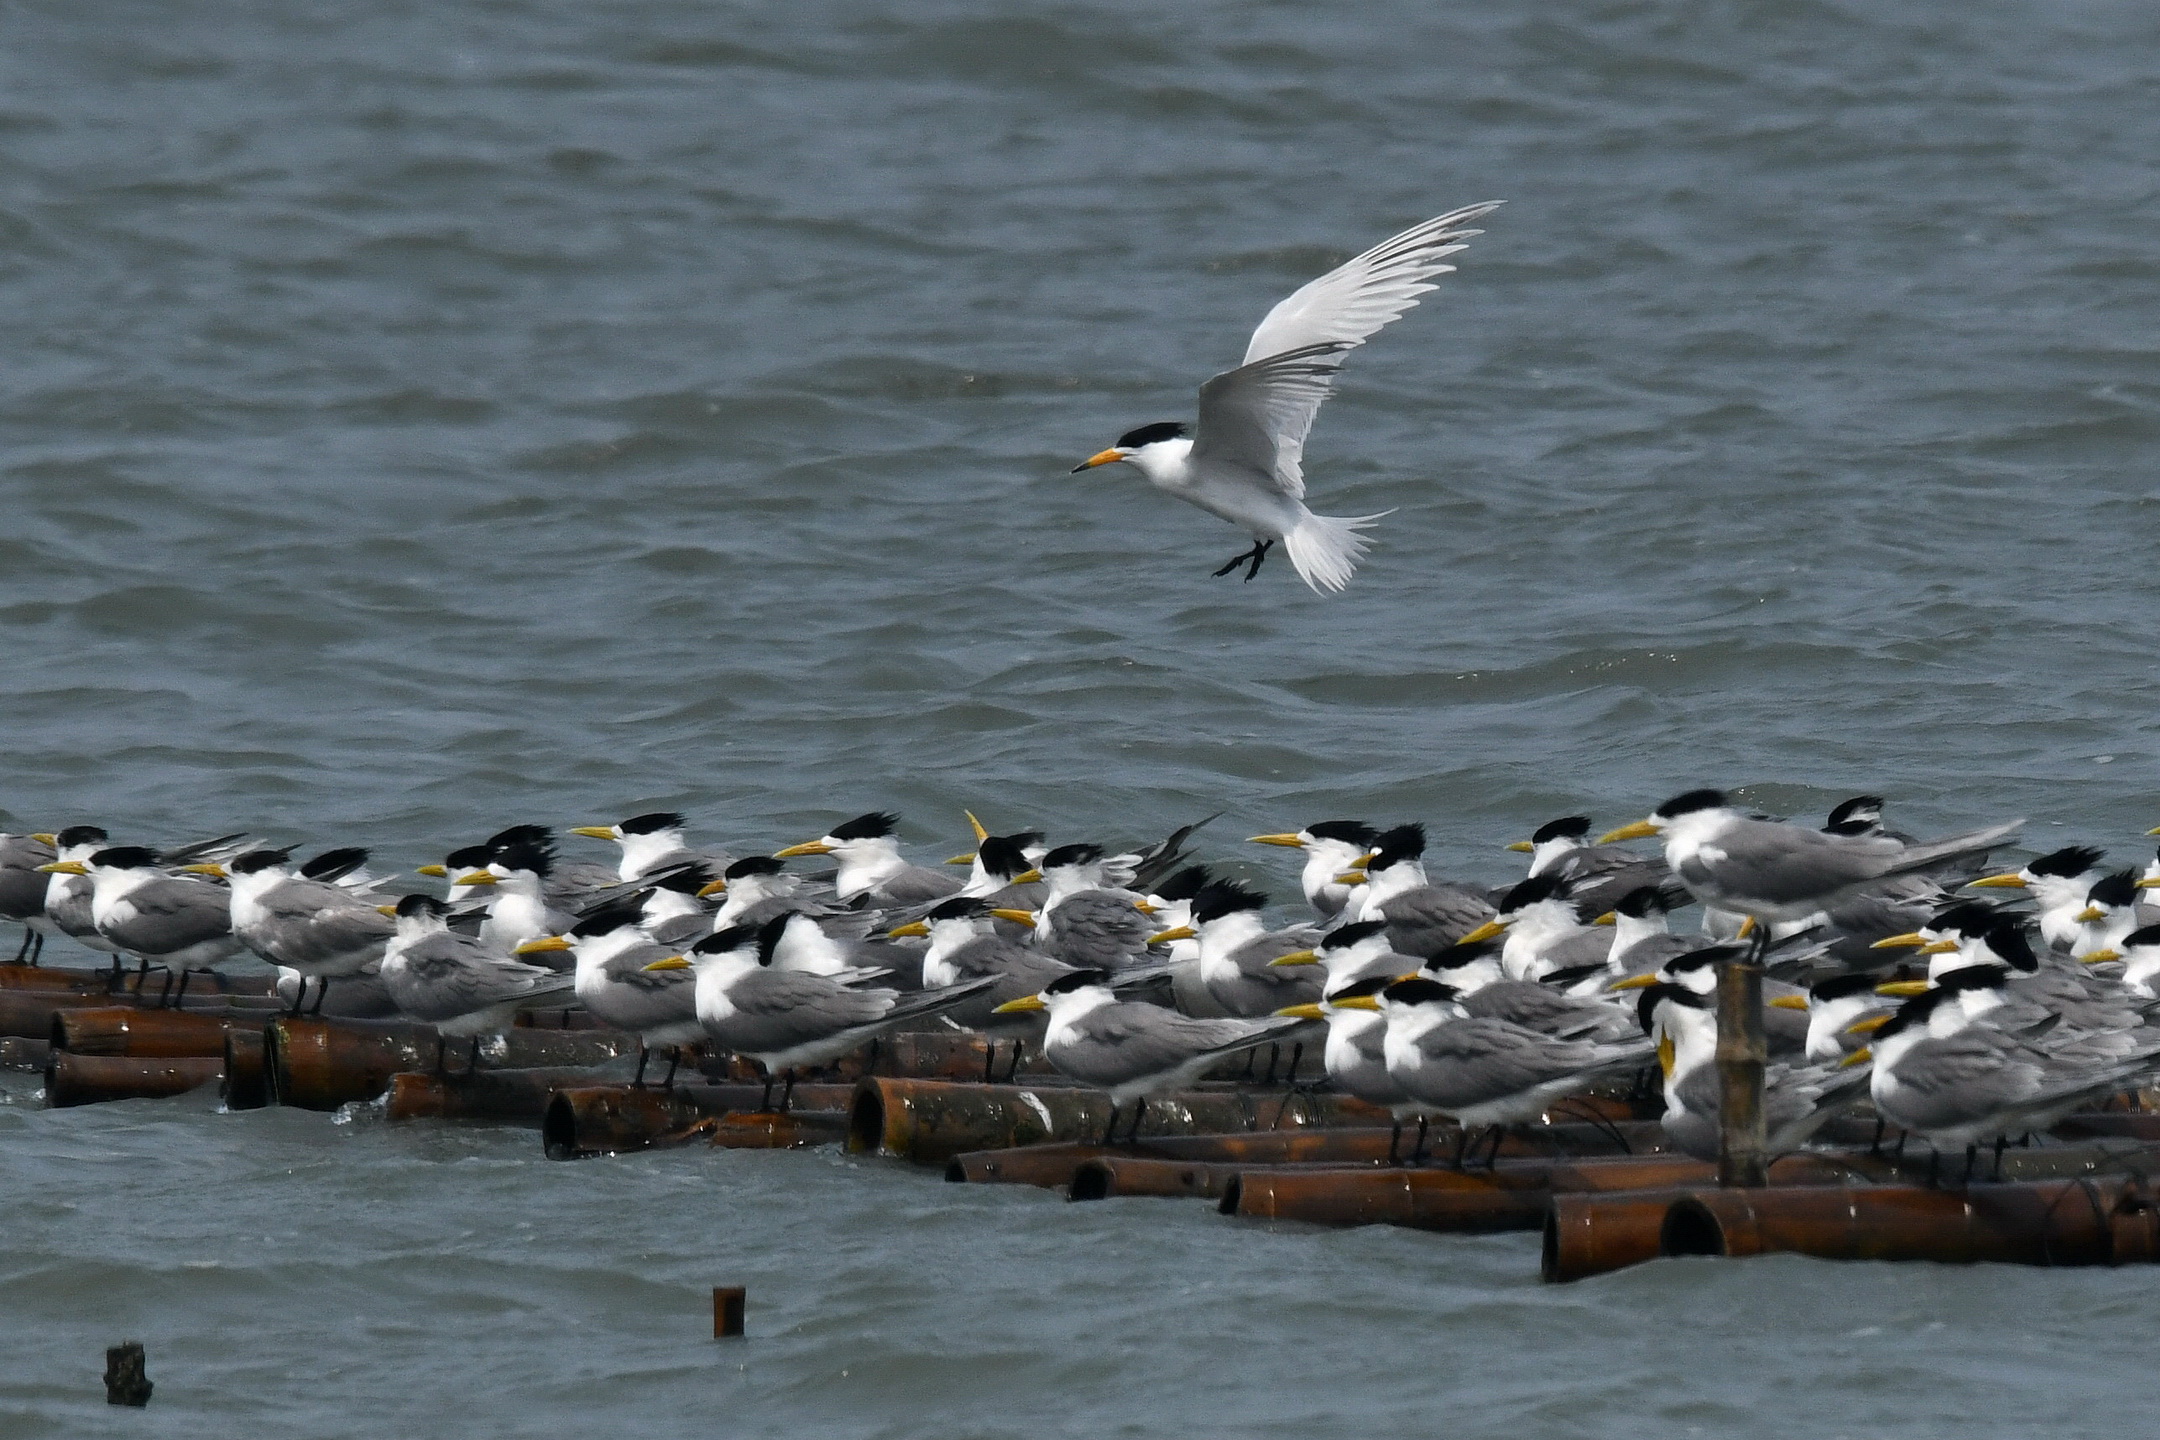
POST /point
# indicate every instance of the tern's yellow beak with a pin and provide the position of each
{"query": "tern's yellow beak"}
(597, 832)
(902, 932)
(1146, 907)
(1939, 947)
(1296, 957)
(1028, 876)
(1787, 1002)
(1485, 932)
(672, 962)
(46, 838)
(808, 847)
(64, 867)
(1355, 1002)
(718, 887)
(439, 872)
(207, 867)
(1175, 932)
(1635, 831)
(543, 945)
(2012, 881)
(389, 910)
(1867, 1025)
(2089, 914)
(981, 832)
(1858, 1057)
(477, 877)
(1904, 989)
(2101, 956)
(1610, 917)
(1100, 457)
(1900, 942)
(1307, 1011)
(2150, 882)
(1665, 1055)
(1747, 927)
(1288, 842)
(1634, 982)
(967, 859)
(1350, 877)
(1018, 917)
(1523, 847)
(1021, 1005)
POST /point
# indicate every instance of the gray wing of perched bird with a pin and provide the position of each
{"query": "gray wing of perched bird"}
(1599, 875)
(624, 995)
(316, 928)
(915, 885)
(446, 977)
(1097, 930)
(1589, 946)
(1125, 1043)
(1260, 987)
(680, 932)
(779, 1010)
(572, 884)
(1796, 1103)
(1159, 860)
(172, 914)
(22, 888)
(1550, 1012)
(1480, 1061)
(1789, 869)
(1425, 921)
(1649, 955)
(1018, 970)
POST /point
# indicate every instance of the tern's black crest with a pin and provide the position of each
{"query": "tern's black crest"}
(1002, 855)
(1526, 893)
(1350, 832)
(1370, 985)
(653, 823)
(522, 835)
(1647, 900)
(960, 907)
(472, 857)
(768, 936)
(1689, 803)
(686, 881)
(1151, 434)
(1837, 987)
(1224, 897)
(1965, 917)
(255, 860)
(335, 864)
(1974, 977)
(125, 857)
(2006, 937)
(1078, 980)
(1419, 991)
(81, 835)
(720, 942)
(1567, 827)
(2067, 863)
(608, 920)
(1185, 884)
(1454, 957)
(1392, 847)
(1913, 1012)
(537, 859)
(755, 865)
(1345, 936)
(2114, 891)
(873, 826)
(1066, 855)
(1708, 955)
(2150, 935)
(1860, 815)
(412, 905)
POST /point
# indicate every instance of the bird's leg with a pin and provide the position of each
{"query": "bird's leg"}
(1297, 1053)
(1014, 1068)
(442, 1048)
(1394, 1143)
(1255, 555)
(637, 1081)
(989, 1058)
(1972, 1156)
(1132, 1136)
(1462, 1144)
(22, 954)
(764, 1103)
(165, 993)
(1252, 1057)
(787, 1095)
(1492, 1156)
(1417, 1151)
(322, 993)
(472, 1057)
(1875, 1145)
(2000, 1141)
(1274, 1053)
(37, 956)
(299, 998)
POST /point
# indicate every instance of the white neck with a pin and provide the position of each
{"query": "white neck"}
(640, 851)
(866, 864)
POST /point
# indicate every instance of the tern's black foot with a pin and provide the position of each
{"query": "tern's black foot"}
(1255, 555)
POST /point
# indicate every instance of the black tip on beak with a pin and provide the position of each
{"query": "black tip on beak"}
(1083, 465)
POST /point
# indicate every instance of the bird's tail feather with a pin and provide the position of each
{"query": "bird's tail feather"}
(1326, 548)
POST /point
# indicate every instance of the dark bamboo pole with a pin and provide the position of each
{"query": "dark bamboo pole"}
(1742, 1053)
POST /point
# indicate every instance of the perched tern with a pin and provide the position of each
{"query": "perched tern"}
(175, 921)
(1796, 1101)
(460, 984)
(871, 869)
(613, 984)
(1331, 847)
(67, 891)
(23, 886)
(1424, 916)
(651, 841)
(2058, 882)
(1356, 1051)
(317, 929)
(1245, 462)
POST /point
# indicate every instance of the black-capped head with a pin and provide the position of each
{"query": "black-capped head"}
(1914, 1013)
(1534, 890)
(521, 835)
(768, 936)
(1454, 957)
(1349, 832)
(1966, 917)
(685, 880)
(608, 919)
(414, 905)
(2067, 863)
(1152, 435)
(2114, 890)
(1369, 985)
(1644, 901)
(1664, 992)
(1067, 855)
(1006, 855)
(1973, 977)
(255, 860)
(2007, 940)
(1342, 937)
(1077, 980)
(754, 865)
(1418, 991)
(1567, 827)
(1185, 884)
(873, 826)
(125, 857)
(960, 907)
(537, 859)
(2149, 935)
(722, 942)
(335, 864)
(1690, 803)
(1397, 844)
(653, 823)
(1224, 897)
(1861, 815)
(1838, 987)
(1709, 955)
(472, 857)
(81, 835)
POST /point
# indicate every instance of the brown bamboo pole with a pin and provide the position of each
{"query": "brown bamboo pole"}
(1743, 1053)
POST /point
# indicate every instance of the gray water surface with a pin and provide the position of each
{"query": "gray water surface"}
(419, 418)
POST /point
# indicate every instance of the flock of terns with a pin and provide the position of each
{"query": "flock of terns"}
(1136, 972)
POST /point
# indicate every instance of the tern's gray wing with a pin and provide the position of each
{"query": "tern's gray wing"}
(1425, 921)
(778, 1010)
(627, 995)
(682, 931)
(1588, 946)
(447, 975)
(1550, 1012)
(1945, 1082)
(310, 924)
(1785, 865)
(1356, 299)
(172, 914)
(1097, 930)
(571, 883)
(22, 888)
(1478, 1061)
(1017, 971)
(1123, 1042)
(1259, 988)
(915, 885)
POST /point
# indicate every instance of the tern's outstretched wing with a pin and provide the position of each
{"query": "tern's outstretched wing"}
(1349, 303)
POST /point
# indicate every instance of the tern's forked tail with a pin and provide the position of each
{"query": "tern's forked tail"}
(1326, 548)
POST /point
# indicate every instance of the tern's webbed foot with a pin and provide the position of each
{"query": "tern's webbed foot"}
(1255, 555)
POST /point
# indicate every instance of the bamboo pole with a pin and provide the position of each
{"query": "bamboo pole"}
(1742, 1055)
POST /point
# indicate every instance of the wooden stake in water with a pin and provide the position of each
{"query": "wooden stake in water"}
(727, 1312)
(1742, 1053)
(125, 1383)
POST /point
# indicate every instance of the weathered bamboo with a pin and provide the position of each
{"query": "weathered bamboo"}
(104, 980)
(246, 1085)
(147, 1034)
(2098, 1220)
(28, 1014)
(515, 1097)
(17, 1053)
(590, 1120)
(320, 1065)
(94, 1079)
(1743, 1055)
(1107, 1176)
(1513, 1195)
(930, 1121)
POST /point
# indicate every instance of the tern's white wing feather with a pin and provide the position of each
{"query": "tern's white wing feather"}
(1350, 302)
(1256, 417)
